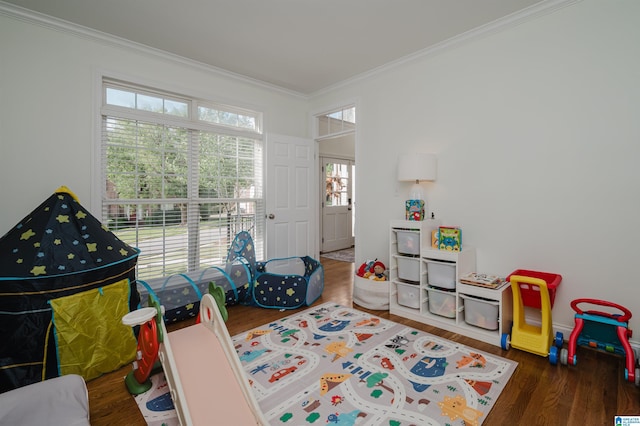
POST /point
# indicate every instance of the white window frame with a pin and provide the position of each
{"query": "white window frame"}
(253, 200)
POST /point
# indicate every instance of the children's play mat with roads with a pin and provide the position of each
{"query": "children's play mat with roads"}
(340, 366)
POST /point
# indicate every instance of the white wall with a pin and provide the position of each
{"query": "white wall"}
(49, 86)
(537, 131)
(340, 147)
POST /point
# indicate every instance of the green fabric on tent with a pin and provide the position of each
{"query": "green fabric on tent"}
(90, 337)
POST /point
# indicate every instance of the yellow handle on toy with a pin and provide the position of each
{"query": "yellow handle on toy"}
(538, 282)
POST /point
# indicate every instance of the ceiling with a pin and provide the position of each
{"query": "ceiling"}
(303, 46)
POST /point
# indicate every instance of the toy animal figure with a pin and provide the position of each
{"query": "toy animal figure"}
(398, 342)
(456, 408)
(472, 360)
(449, 243)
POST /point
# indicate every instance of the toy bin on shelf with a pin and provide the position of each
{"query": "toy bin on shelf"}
(409, 269)
(441, 274)
(442, 303)
(409, 295)
(408, 242)
(531, 293)
(481, 312)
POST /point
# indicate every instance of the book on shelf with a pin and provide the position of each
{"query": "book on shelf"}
(482, 280)
(449, 238)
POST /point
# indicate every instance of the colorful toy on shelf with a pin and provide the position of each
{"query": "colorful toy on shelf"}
(414, 210)
(604, 331)
(450, 238)
(536, 290)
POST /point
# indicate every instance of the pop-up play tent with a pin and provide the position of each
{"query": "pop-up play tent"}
(66, 281)
(285, 283)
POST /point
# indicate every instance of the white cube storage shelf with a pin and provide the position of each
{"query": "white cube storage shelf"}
(438, 298)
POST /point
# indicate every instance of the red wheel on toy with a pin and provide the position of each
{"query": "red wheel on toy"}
(620, 318)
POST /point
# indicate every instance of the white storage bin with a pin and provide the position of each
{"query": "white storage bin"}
(409, 268)
(441, 274)
(371, 294)
(442, 303)
(409, 295)
(481, 312)
(408, 242)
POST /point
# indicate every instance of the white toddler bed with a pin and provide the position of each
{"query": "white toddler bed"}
(205, 377)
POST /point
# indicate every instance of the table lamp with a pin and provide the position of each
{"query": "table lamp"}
(416, 168)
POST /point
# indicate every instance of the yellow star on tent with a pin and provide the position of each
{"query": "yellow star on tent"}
(38, 270)
(36, 245)
(19, 261)
(27, 234)
(62, 218)
(57, 241)
(92, 247)
(290, 292)
(81, 215)
(186, 291)
(189, 306)
(109, 248)
(71, 256)
(123, 252)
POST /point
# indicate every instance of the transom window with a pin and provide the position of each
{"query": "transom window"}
(337, 122)
(181, 177)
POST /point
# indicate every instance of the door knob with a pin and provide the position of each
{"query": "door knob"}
(271, 216)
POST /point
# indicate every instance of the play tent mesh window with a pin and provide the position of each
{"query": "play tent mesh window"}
(180, 177)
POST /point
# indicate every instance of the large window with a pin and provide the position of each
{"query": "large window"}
(181, 177)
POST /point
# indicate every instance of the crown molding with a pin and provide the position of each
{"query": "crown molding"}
(540, 9)
(532, 12)
(57, 24)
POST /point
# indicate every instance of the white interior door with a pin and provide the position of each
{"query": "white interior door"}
(337, 204)
(292, 224)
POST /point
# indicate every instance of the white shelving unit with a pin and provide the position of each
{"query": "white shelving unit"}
(416, 299)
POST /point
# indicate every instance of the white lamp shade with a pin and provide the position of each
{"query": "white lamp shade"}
(417, 167)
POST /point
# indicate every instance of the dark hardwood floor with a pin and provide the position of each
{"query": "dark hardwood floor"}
(591, 393)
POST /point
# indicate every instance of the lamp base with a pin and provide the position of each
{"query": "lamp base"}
(414, 210)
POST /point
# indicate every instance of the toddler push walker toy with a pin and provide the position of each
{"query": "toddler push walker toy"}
(535, 290)
(603, 331)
